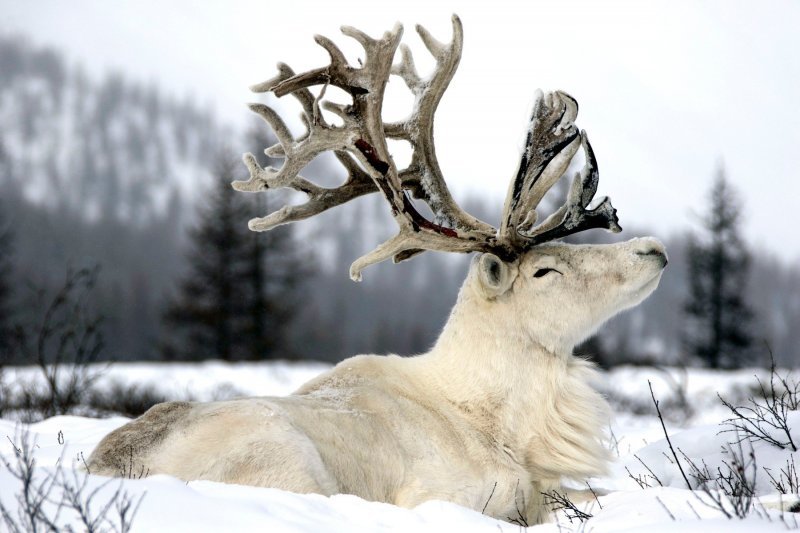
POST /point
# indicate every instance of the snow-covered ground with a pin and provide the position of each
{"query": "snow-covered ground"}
(638, 440)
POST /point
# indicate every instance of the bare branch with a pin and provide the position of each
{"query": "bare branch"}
(766, 419)
(666, 435)
(561, 502)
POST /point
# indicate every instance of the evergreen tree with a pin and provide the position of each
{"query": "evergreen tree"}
(273, 271)
(718, 261)
(209, 301)
(276, 267)
(6, 271)
(238, 298)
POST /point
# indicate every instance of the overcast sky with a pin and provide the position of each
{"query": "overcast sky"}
(668, 91)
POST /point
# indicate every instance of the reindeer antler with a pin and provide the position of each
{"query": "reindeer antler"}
(552, 142)
(360, 145)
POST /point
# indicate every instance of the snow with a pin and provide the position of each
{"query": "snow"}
(211, 380)
(174, 505)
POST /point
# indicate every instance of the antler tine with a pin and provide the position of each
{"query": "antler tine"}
(297, 152)
(320, 136)
(285, 72)
(405, 245)
(261, 179)
(337, 57)
(407, 70)
(551, 143)
(339, 73)
(320, 199)
(574, 216)
(418, 128)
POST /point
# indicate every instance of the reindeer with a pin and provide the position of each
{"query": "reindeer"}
(499, 411)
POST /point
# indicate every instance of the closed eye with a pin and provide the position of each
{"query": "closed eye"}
(544, 271)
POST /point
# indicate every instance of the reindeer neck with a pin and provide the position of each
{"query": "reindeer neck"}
(485, 353)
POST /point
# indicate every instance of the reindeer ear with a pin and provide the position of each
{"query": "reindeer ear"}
(495, 277)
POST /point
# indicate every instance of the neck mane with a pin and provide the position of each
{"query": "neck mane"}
(490, 349)
(534, 399)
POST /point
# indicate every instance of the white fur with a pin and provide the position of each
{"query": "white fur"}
(496, 413)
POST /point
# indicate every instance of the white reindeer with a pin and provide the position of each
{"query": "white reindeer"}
(499, 411)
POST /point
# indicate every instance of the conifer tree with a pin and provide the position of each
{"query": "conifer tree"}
(718, 260)
(207, 309)
(238, 296)
(6, 270)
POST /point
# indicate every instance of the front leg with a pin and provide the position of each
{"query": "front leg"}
(415, 493)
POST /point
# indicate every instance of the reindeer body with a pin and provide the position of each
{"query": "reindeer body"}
(495, 414)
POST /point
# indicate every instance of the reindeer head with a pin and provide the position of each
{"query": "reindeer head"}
(561, 293)
(592, 281)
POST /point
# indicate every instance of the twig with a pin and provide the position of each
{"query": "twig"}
(787, 482)
(672, 516)
(693, 510)
(661, 419)
(520, 518)
(732, 492)
(652, 474)
(614, 441)
(561, 502)
(595, 495)
(638, 479)
(489, 498)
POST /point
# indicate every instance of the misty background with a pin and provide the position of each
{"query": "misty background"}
(104, 168)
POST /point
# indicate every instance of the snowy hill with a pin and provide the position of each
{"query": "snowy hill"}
(108, 148)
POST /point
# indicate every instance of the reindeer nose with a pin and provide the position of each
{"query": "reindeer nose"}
(656, 253)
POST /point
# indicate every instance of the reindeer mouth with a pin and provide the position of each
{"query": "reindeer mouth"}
(655, 253)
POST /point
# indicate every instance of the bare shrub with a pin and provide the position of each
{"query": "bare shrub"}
(644, 480)
(519, 505)
(560, 501)
(730, 488)
(33, 493)
(62, 342)
(125, 400)
(766, 418)
(675, 408)
(787, 481)
(42, 498)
